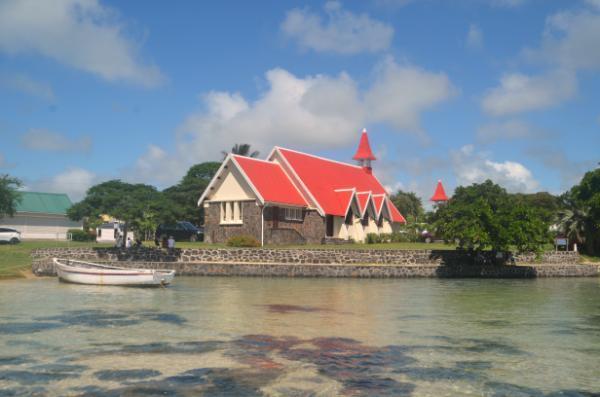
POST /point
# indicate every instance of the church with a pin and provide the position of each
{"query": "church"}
(297, 198)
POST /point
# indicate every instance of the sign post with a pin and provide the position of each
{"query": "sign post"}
(561, 242)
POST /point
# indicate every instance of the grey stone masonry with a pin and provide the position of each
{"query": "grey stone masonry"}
(320, 262)
(215, 232)
(44, 267)
(296, 256)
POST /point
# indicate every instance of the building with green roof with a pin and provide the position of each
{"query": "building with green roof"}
(42, 216)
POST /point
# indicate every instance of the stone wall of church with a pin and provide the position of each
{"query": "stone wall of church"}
(215, 232)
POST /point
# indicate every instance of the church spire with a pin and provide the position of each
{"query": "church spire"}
(364, 154)
(439, 196)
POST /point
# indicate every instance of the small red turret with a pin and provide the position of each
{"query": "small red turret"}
(364, 154)
(440, 194)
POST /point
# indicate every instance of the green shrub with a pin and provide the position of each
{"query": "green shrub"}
(373, 238)
(243, 241)
(397, 237)
(81, 235)
(385, 238)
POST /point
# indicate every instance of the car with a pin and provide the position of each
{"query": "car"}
(181, 231)
(8, 235)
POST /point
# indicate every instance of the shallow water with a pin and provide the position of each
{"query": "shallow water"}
(302, 337)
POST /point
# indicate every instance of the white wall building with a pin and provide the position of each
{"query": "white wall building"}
(42, 216)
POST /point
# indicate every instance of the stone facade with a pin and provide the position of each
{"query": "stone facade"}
(277, 229)
(311, 228)
(319, 262)
(215, 232)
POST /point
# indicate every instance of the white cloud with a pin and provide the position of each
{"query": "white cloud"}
(48, 141)
(156, 166)
(474, 37)
(293, 111)
(472, 167)
(593, 3)
(27, 85)
(508, 130)
(314, 111)
(520, 93)
(83, 34)
(73, 181)
(342, 31)
(401, 93)
(570, 41)
(569, 45)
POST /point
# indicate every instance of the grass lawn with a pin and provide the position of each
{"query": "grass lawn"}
(386, 246)
(15, 259)
(590, 259)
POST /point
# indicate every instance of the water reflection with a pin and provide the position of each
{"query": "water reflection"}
(302, 337)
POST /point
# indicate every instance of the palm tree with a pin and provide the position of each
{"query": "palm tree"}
(241, 149)
(573, 220)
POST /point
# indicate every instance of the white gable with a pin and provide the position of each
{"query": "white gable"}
(231, 187)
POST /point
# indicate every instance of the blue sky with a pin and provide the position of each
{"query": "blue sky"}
(460, 91)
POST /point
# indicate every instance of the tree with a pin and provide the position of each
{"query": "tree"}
(484, 216)
(242, 149)
(9, 195)
(130, 203)
(547, 203)
(184, 196)
(572, 220)
(585, 198)
(410, 205)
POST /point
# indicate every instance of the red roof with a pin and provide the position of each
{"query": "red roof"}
(322, 177)
(363, 201)
(440, 194)
(364, 151)
(270, 181)
(395, 215)
(344, 199)
(378, 200)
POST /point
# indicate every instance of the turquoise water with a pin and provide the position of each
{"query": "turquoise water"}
(302, 337)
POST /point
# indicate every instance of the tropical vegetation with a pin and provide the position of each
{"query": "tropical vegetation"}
(484, 216)
(9, 195)
(579, 217)
(242, 149)
(410, 205)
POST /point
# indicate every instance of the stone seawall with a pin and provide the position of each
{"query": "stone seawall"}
(319, 263)
(294, 256)
(44, 267)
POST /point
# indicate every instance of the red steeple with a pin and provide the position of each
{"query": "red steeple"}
(364, 155)
(440, 194)
(364, 149)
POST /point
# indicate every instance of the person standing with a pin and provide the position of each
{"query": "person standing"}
(128, 243)
(171, 242)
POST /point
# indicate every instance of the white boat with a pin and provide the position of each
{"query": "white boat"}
(80, 272)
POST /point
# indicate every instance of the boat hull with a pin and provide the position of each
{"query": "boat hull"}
(94, 274)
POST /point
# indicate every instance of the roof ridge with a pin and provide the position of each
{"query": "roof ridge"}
(46, 193)
(252, 158)
(319, 157)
